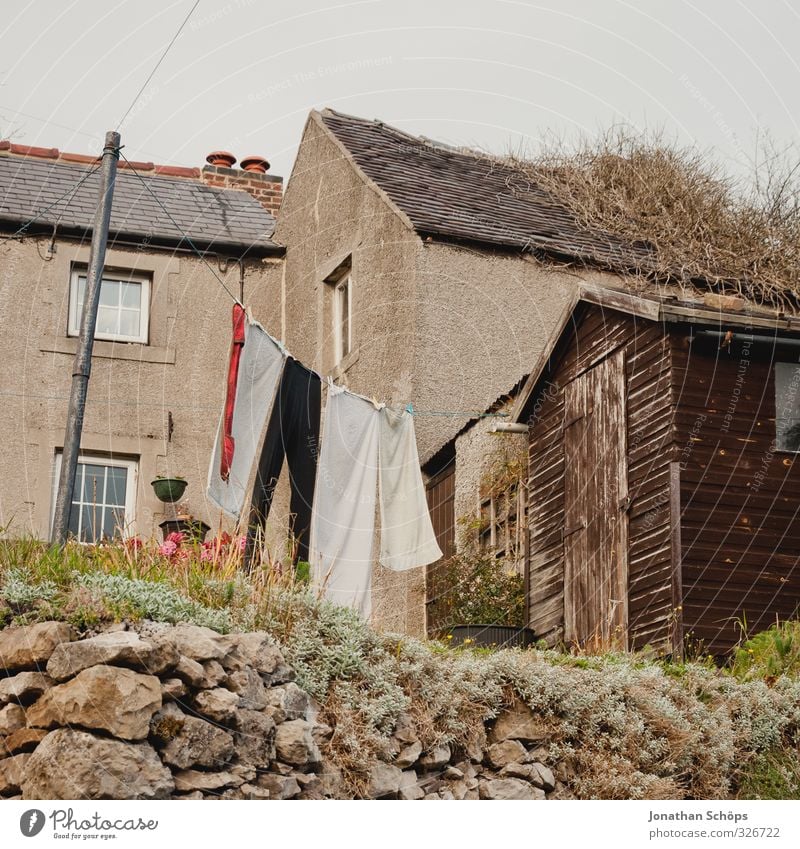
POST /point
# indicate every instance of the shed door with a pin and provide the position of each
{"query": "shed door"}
(441, 491)
(595, 517)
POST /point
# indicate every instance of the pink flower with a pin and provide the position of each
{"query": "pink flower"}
(168, 547)
(242, 544)
(206, 554)
(177, 537)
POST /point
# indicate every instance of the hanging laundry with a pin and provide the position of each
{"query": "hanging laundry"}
(237, 344)
(407, 538)
(293, 434)
(258, 366)
(343, 519)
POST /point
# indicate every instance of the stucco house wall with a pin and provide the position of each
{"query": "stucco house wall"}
(133, 388)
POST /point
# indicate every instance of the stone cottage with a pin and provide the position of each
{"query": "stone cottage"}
(163, 330)
(413, 273)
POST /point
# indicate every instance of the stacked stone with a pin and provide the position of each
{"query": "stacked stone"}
(171, 712)
(186, 713)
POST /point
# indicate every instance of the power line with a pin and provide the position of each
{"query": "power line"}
(177, 226)
(42, 212)
(163, 56)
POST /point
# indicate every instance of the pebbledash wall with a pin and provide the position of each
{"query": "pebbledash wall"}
(445, 327)
(158, 403)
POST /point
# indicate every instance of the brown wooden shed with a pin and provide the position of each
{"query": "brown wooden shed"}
(663, 484)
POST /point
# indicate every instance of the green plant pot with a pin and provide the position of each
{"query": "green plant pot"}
(168, 490)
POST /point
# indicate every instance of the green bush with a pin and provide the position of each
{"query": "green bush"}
(769, 654)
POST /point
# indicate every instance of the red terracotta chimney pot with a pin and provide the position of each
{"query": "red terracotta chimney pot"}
(221, 158)
(255, 163)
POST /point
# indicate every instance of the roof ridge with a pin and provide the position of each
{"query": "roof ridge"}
(53, 154)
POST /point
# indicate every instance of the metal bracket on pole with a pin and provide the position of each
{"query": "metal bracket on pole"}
(82, 364)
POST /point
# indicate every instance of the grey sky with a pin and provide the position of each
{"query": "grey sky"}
(244, 73)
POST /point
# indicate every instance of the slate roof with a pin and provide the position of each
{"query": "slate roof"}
(211, 217)
(456, 194)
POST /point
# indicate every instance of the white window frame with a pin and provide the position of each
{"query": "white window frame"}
(131, 482)
(74, 323)
(342, 347)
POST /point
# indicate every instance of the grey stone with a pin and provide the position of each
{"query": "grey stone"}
(116, 700)
(290, 701)
(71, 764)
(332, 780)
(546, 780)
(279, 786)
(191, 672)
(436, 758)
(256, 649)
(198, 743)
(198, 643)
(12, 771)
(384, 780)
(218, 704)
(502, 754)
(249, 686)
(409, 755)
(519, 722)
(452, 773)
(31, 646)
(255, 738)
(23, 687)
(294, 743)
(188, 780)
(12, 717)
(120, 648)
(509, 788)
(409, 786)
(404, 730)
(214, 673)
(173, 689)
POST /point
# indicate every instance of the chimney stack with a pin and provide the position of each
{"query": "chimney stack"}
(252, 177)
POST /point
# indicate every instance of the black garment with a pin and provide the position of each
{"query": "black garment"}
(293, 433)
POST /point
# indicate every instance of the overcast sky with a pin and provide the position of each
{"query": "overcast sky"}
(244, 74)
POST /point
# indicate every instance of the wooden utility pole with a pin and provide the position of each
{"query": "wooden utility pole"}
(82, 365)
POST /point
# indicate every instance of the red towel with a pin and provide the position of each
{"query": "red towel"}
(237, 344)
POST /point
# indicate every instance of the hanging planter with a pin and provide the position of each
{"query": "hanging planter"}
(169, 490)
(491, 636)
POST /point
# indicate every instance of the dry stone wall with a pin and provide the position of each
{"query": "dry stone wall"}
(183, 712)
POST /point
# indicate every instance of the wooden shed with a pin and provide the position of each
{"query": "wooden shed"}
(663, 484)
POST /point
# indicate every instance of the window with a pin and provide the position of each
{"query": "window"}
(103, 498)
(342, 318)
(124, 311)
(502, 523)
(787, 406)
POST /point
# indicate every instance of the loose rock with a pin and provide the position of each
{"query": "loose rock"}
(23, 740)
(123, 648)
(279, 786)
(116, 700)
(218, 704)
(12, 771)
(12, 717)
(23, 687)
(384, 780)
(295, 744)
(255, 738)
(198, 743)
(509, 788)
(435, 758)
(67, 765)
(191, 779)
(198, 643)
(519, 722)
(502, 754)
(31, 646)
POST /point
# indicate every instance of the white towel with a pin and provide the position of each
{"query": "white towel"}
(407, 538)
(343, 518)
(260, 370)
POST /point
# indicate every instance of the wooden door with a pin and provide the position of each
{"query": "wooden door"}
(441, 492)
(595, 507)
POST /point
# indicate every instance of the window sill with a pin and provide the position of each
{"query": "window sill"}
(110, 350)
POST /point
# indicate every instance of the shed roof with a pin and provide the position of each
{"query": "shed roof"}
(461, 194)
(222, 219)
(714, 311)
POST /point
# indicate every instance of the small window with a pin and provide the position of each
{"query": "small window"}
(502, 523)
(342, 318)
(103, 498)
(787, 406)
(124, 311)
